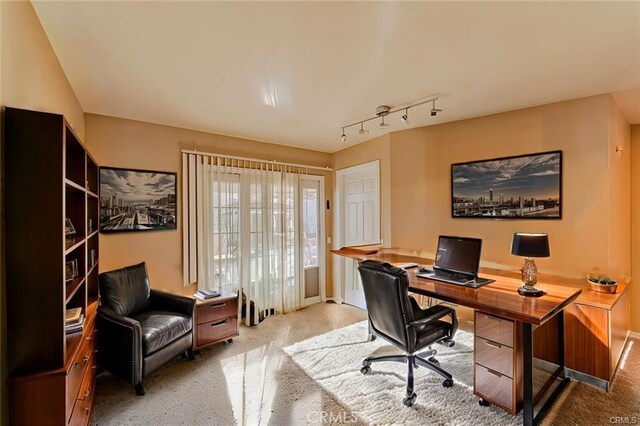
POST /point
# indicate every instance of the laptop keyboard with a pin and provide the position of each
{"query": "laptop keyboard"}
(455, 278)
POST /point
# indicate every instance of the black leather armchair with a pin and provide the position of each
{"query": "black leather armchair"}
(140, 329)
(397, 318)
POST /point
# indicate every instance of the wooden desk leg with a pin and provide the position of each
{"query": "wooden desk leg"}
(527, 361)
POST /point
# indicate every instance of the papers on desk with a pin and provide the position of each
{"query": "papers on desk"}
(405, 265)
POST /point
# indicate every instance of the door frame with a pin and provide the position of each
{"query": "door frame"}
(322, 297)
(338, 222)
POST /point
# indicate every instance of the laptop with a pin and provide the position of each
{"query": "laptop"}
(457, 262)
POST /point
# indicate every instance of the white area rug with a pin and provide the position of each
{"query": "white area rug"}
(334, 360)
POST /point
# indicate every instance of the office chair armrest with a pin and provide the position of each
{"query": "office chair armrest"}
(161, 300)
(432, 314)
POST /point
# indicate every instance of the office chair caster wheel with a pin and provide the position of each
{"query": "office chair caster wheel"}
(447, 383)
(365, 370)
(483, 402)
(410, 400)
(433, 360)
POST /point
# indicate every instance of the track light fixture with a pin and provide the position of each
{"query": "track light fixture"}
(383, 110)
(405, 117)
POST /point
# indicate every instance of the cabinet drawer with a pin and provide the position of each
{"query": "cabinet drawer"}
(494, 387)
(82, 409)
(496, 329)
(217, 330)
(494, 356)
(79, 367)
(212, 311)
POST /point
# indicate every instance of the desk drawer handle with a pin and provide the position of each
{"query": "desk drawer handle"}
(85, 359)
(218, 324)
(495, 373)
(219, 305)
(86, 393)
(493, 345)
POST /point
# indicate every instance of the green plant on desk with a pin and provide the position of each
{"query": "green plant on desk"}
(598, 278)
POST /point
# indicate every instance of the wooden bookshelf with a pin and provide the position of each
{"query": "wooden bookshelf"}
(50, 179)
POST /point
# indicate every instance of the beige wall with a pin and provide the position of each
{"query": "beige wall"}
(619, 193)
(635, 226)
(31, 78)
(132, 144)
(579, 128)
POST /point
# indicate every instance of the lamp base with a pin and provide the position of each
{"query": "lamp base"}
(530, 291)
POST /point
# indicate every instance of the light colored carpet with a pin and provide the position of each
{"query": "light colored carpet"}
(377, 397)
(252, 381)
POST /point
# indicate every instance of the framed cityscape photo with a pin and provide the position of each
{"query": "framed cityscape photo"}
(137, 200)
(522, 187)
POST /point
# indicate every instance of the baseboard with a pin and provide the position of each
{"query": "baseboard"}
(586, 378)
(634, 334)
(337, 300)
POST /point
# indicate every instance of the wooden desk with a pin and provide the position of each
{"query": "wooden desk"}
(501, 301)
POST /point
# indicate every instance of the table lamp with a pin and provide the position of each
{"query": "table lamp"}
(530, 246)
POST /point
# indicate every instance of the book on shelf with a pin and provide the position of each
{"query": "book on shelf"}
(74, 327)
(206, 294)
(72, 315)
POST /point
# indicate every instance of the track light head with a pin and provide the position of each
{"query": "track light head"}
(362, 131)
(343, 137)
(405, 117)
(434, 110)
(383, 124)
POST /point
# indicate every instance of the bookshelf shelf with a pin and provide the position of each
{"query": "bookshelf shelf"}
(73, 286)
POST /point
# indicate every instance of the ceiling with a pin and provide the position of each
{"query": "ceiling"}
(294, 73)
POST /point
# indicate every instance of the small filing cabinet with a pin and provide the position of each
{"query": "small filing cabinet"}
(497, 375)
(216, 320)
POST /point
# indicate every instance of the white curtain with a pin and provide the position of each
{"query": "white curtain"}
(244, 218)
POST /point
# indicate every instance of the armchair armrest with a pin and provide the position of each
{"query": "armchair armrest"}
(120, 345)
(161, 300)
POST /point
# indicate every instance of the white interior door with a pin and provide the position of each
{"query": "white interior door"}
(312, 238)
(360, 212)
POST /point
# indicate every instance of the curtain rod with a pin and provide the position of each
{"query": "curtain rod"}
(255, 160)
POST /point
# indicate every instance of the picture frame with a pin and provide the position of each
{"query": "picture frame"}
(527, 186)
(136, 200)
(69, 230)
(71, 270)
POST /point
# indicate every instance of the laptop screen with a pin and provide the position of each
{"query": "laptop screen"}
(458, 254)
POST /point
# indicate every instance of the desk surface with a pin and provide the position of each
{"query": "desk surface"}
(498, 298)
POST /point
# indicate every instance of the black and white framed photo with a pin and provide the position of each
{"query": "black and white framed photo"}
(137, 200)
(521, 187)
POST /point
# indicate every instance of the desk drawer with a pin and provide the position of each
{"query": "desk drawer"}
(212, 311)
(217, 330)
(494, 387)
(496, 329)
(494, 356)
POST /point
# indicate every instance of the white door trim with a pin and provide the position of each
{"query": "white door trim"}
(321, 242)
(338, 219)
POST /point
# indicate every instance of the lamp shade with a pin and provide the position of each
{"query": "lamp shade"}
(530, 245)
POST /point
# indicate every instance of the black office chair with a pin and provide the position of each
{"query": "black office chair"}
(397, 318)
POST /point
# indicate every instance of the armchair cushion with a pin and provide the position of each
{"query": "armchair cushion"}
(126, 291)
(160, 328)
